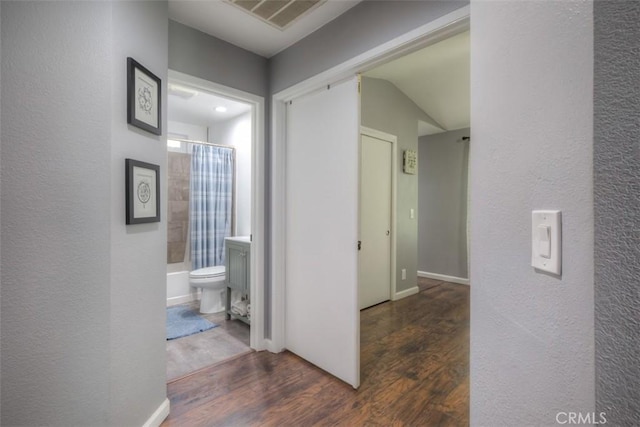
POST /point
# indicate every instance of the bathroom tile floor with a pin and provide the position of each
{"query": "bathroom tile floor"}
(189, 354)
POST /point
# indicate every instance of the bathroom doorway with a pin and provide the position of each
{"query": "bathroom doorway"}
(214, 224)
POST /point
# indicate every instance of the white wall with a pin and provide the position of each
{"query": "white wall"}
(186, 131)
(236, 132)
(532, 334)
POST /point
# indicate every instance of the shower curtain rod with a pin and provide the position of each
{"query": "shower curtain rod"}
(189, 141)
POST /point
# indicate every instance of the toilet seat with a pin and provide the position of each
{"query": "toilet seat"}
(207, 272)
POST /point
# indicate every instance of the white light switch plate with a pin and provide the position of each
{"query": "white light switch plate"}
(546, 255)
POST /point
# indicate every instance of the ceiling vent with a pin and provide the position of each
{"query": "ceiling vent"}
(278, 13)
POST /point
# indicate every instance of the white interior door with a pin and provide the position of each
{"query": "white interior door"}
(322, 320)
(375, 221)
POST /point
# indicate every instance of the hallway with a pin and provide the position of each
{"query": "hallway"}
(415, 371)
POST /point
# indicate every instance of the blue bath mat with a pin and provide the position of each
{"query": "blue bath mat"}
(182, 321)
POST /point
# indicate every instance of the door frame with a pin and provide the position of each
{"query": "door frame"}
(256, 340)
(439, 29)
(393, 140)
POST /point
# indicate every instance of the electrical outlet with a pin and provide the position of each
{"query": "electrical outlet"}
(404, 274)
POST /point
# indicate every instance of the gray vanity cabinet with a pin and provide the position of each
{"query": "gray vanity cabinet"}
(237, 263)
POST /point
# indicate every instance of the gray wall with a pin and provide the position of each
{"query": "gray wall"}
(442, 203)
(82, 338)
(201, 55)
(617, 210)
(532, 334)
(384, 107)
(55, 334)
(363, 27)
(138, 252)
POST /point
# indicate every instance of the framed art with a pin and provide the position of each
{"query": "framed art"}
(142, 192)
(143, 98)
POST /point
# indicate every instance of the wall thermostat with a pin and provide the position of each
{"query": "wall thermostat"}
(410, 162)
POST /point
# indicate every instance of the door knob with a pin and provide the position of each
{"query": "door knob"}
(388, 232)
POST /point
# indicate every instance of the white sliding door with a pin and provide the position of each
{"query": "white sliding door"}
(322, 320)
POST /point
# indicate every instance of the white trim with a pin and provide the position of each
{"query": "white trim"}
(443, 27)
(257, 341)
(181, 299)
(374, 133)
(278, 222)
(383, 136)
(444, 277)
(406, 293)
(159, 415)
(270, 345)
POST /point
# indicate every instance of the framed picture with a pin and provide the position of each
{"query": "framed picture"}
(143, 98)
(142, 192)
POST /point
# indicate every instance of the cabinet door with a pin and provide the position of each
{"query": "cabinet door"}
(237, 267)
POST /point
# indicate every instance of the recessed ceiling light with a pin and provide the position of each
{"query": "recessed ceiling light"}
(221, 109)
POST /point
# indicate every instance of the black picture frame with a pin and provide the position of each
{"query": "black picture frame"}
(144, 98)
(142, 182)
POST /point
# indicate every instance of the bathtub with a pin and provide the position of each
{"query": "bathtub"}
(178, 289)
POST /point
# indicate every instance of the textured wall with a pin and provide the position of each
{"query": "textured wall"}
(201, 55)
(385, 108)
(56, 136)
(617, 210)
(532, 334)
(442, 203)
(363, 27)
(138, 252)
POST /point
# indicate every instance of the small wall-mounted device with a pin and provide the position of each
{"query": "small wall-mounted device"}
(546, 241)
(410, 162)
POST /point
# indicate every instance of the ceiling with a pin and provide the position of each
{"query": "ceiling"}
(234, 24)
(437, 79)
(187, 105)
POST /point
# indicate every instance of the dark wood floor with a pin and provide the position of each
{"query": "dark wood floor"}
(414, 372)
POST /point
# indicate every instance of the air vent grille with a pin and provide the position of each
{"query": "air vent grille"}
(279, 13)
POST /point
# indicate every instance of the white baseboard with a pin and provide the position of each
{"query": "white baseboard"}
(182, 299)
(443, 277)
(159, 415)
(271, 346)
(405, 293)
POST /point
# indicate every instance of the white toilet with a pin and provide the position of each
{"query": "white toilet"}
(212, 282)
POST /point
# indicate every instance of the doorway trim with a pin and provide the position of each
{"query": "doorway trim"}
(429, 33)
(256, 340)
(393, 140)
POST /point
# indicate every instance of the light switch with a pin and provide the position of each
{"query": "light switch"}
(412, 214)
(546, 241)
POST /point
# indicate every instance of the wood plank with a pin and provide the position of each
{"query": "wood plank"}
(415, 371)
